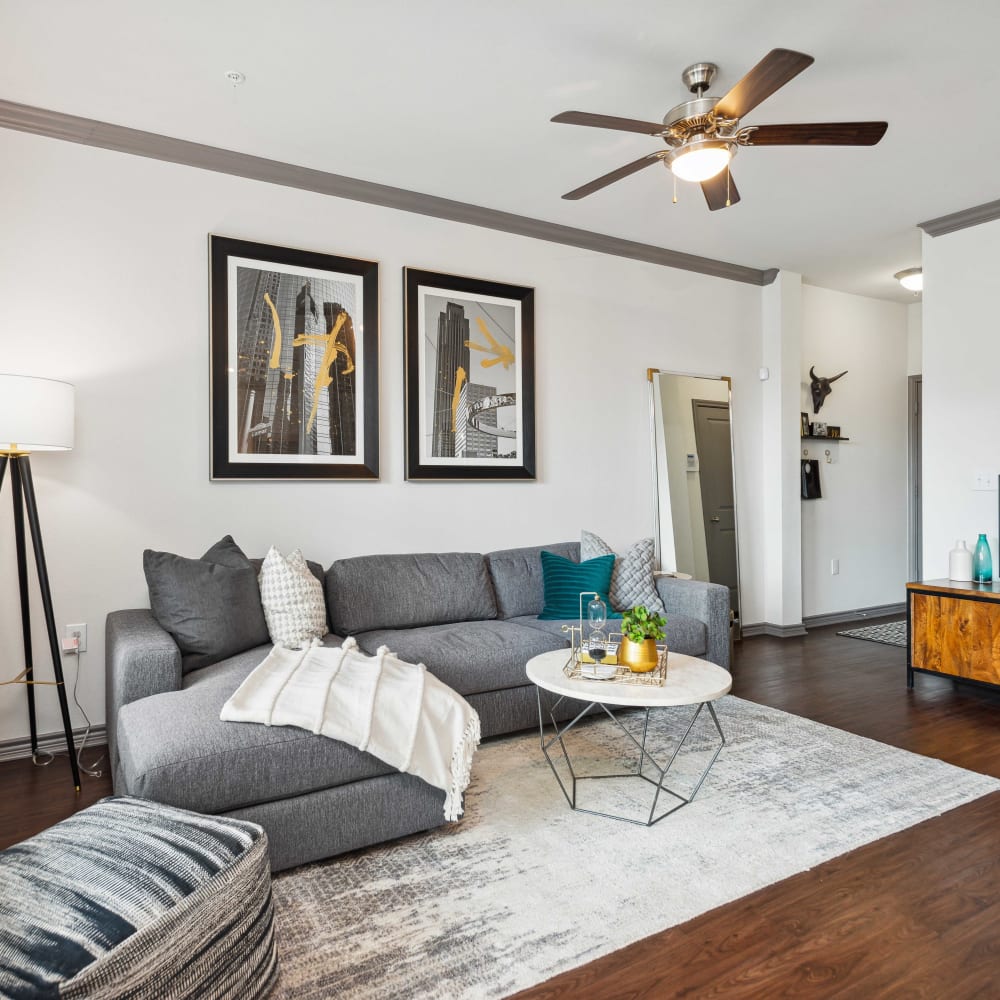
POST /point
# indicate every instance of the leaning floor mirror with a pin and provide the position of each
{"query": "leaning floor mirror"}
(694, 492)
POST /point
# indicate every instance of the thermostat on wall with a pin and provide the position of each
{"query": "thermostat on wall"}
(692, 461)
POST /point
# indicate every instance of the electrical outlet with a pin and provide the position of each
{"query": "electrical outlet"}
(834, 567)
(69, 631)
(983, 480)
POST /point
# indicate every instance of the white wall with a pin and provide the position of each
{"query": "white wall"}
(104, 282)
(861, 519)
(781, 337)
(961, 358)
(914, 338)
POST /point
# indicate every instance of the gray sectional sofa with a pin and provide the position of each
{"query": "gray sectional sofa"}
(471, 618)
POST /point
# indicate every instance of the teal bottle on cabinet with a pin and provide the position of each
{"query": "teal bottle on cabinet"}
(982, 562)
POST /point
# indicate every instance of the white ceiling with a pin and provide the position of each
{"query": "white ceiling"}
(454, 98)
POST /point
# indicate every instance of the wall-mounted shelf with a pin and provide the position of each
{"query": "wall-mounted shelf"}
(821, 437)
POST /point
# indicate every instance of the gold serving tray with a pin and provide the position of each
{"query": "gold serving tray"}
(579, 659)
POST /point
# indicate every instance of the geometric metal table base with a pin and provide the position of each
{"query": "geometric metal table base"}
(645, 757)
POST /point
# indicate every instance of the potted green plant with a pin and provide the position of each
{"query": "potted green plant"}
(641, 629)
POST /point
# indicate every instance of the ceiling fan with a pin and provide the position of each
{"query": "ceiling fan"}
(703, 134)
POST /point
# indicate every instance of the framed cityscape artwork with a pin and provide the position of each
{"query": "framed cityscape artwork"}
(470, 378)
(294, 363)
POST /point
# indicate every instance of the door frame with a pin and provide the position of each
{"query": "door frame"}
(914, 477)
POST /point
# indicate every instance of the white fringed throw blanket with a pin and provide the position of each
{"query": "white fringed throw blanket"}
(393, 709)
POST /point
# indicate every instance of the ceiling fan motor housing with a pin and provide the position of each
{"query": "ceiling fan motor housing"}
(690, 117)
(699, 76)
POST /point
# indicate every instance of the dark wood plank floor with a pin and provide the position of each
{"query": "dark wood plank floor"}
(914, 915)
(33, 798)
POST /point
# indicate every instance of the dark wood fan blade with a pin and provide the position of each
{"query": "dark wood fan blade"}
(773, 71)
(615, 175)
(610, 121)
(819, 134)
(720, 190)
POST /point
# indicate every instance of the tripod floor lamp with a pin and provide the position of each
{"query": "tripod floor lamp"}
(36, 414)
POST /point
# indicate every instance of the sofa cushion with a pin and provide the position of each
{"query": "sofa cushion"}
(314, 567)
(406, 591)
(211, 606)
(632, 580)
(565, 581)
(517, 576)
(471, 656)
(684, 634)
(174, 748)
(293, 599)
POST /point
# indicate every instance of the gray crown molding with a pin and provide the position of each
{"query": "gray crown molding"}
(87, 131)
(961, 220)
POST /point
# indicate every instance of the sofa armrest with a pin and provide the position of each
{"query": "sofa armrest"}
(141, 659)
(708, 602)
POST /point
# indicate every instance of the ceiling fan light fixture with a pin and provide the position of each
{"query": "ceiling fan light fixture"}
(700, 160)
(912, 279)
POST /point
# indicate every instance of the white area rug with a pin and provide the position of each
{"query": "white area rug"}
(523, 888)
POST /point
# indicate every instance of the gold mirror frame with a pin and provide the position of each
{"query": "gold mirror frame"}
(657, 438)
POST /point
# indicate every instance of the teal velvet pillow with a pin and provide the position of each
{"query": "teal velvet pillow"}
(563, 581)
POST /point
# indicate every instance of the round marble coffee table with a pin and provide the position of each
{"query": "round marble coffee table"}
(690, 681)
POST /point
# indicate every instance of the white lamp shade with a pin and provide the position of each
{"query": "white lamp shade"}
(36, 414)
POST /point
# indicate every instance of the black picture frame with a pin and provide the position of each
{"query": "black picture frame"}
(299, 407)
(469, 384)
(804, 424)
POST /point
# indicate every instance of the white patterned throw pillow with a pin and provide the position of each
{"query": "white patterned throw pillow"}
(294, 607)
(632, 580)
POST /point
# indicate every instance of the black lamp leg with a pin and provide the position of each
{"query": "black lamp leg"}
(21, 469)
(22, 584)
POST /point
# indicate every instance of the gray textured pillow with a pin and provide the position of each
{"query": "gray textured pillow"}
(632, 580)
(211, 606)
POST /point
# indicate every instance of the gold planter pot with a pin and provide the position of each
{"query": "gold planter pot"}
(639, 657)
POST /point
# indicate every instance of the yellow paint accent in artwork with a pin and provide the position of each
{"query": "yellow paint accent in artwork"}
(504, 355)
(460, 378)
(333, 348)
(276, 350)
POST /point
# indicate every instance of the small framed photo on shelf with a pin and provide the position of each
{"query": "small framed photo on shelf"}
(804, 430)
(832, 430)
(819, 429)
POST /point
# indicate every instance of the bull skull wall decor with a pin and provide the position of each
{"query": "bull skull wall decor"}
(821, 387)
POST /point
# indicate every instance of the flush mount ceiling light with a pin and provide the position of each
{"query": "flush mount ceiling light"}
(235, 77)
(912, 279)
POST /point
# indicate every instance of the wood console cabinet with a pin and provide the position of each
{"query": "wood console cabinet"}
(953, 629)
